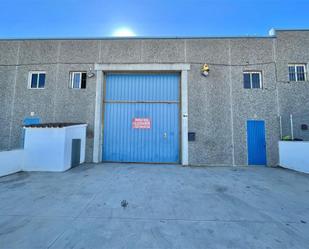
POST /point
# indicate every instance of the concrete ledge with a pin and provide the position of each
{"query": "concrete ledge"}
(11, 162)
(294, 155)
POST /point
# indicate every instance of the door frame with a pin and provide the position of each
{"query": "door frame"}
(102, 69)
(264, 122)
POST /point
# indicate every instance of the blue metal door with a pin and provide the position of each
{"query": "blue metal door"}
(141, 118)
(256, 142)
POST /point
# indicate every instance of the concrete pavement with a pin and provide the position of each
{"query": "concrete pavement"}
(169, 206)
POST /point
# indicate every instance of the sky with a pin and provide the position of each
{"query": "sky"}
(105, 18)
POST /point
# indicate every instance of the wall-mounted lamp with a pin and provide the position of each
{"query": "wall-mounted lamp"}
(90, 73)
(205, 70)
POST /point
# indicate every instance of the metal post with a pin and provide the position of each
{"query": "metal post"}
(280, 124)
(292, 130)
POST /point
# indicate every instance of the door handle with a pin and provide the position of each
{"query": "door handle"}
(165, 135)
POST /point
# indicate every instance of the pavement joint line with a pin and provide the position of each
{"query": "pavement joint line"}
(85, 206)
(73, 218)
(186, 220)
(54, 241)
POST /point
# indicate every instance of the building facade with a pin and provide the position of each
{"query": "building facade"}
(147, 100)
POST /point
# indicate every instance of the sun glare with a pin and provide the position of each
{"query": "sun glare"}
(123, 32)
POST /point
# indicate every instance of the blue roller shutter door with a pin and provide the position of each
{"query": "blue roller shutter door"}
(141, 118)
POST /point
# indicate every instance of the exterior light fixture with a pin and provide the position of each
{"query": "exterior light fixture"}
(90, 73)
(205, 70)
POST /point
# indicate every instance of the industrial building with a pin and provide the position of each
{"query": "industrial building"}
(194, 100)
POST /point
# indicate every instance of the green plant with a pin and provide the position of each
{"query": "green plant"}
(286, 138)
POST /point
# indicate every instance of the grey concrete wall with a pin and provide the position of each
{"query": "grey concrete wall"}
(8, 56)
(292, 47)
(75, 105)
(7, 79)
(209, 103)
(219, 106)
(254, 104)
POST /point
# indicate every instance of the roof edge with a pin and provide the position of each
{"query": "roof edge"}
(138, 38)
(272, 34)
(291, 30)
(273, 31)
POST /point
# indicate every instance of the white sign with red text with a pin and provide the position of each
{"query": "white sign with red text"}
(141, 123)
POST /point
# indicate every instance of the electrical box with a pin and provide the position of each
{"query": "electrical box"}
(191, 136)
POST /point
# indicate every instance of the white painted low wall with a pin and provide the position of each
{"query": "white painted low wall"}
(10, 161)
(49, 149)
(45, 149)
(294, 155)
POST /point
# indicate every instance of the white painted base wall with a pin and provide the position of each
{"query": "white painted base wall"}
(294, 155)
(49, 149)
(11, 162)
(45, 149)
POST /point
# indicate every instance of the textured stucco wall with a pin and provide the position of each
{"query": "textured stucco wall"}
(209, 103)
(75, 105)
(254, 104)
(8, 56)
(219, 106)
(292, 47)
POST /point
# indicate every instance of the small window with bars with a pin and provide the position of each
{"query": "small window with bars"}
(297, 72)
(252, 80)
(36, 80)
(78, 80)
